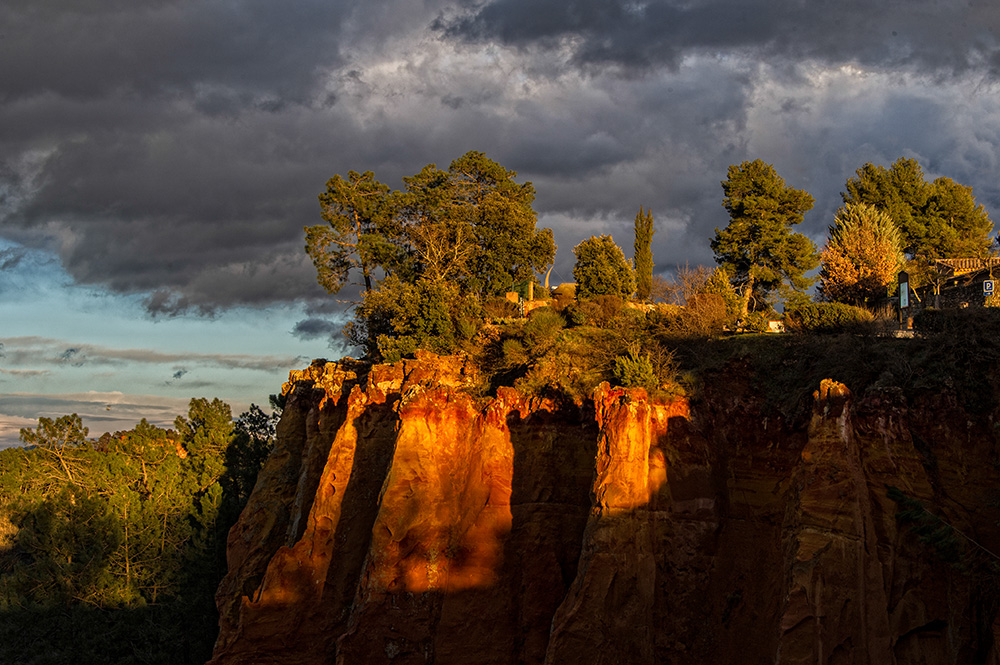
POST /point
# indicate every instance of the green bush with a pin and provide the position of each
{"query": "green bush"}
(399, 317)
(755, 322)
(543, 326)
(635, 371)
(533, 339)
(719, 283)
(499, 308)
(514, 353)
(826, 317)
(602, 269)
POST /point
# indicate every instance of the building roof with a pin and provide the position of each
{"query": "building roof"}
(957, 267)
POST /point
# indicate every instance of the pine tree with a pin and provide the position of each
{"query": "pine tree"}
(936, 220)
(758, 246)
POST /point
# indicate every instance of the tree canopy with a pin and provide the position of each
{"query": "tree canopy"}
(472, 225)
(123, 531)
(358, 213)
(758, 247)
(508, 248)
(601, 269)
(936, 220)
(447, 239)
(862, 257)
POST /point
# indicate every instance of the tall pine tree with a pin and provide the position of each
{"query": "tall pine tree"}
(758, 247)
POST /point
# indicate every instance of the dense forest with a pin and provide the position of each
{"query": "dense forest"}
(111, 548)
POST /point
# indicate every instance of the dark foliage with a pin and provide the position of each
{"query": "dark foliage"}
(826, 317)
(598, 311)
(111, 550)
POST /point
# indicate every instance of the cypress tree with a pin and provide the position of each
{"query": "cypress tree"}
(643, 254)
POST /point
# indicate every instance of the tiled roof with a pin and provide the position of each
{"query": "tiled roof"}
(956, 267)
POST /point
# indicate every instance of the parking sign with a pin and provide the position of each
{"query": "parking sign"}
(988, 287)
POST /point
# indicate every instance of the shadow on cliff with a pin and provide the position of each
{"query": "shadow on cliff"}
(360, 506)
(551, 485)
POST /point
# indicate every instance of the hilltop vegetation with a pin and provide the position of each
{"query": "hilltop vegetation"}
(436, 260)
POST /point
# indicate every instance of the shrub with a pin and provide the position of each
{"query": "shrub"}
(542, 328)
(565, 291)
(635, 370)
(755, 322)
(602, 269)
(719, 283)
(705, 314)
(399, 317)
(514, 352)
(523, 343)
(598, 311)
(499, 308)
(826, 317)
(703, 303)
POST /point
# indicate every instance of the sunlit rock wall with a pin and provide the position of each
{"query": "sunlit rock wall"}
(400, 519)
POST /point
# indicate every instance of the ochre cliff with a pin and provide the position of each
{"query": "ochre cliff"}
(400, 519)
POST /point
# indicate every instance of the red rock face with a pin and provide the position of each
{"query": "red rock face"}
(401, 520)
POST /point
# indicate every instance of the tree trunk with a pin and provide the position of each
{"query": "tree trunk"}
(368, 279)
(747, 294)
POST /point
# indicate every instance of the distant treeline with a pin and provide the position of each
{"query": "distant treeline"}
(111, 549)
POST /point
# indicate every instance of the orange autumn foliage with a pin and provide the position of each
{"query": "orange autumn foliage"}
(862, 257)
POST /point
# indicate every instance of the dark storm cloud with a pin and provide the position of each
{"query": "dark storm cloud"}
(316, 328)
(701, 85)
(45, 351)
(168, 145)
(889, 34)
(332, 331)
(252, 50)
(175, 149)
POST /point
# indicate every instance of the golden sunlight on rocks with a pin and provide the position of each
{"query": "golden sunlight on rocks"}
(402, 519)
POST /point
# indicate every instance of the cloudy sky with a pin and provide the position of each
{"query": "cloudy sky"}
(159, 158)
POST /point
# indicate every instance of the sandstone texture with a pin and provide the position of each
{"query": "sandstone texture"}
(401, 519)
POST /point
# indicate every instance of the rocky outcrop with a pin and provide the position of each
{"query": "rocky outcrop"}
(401, 519)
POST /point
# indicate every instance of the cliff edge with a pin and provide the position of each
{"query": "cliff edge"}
(401, 519)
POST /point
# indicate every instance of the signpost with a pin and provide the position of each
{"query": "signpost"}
(904, 292)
